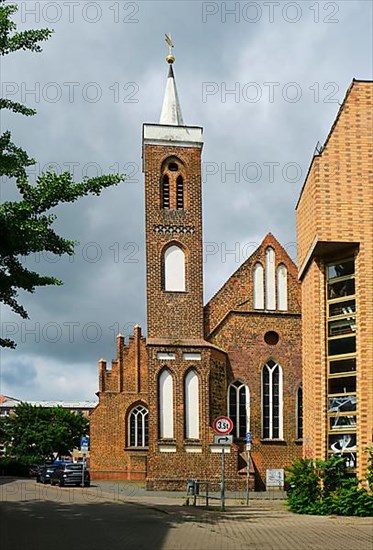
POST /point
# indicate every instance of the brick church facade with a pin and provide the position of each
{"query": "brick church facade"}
(239, 355)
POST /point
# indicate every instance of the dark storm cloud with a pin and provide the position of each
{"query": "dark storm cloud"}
(265, 93)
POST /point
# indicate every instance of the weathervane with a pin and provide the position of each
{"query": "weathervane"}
(170, 58)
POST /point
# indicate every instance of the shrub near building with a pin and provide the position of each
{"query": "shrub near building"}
(324, 487)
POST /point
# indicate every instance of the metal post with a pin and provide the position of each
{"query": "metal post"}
(207, 495)
(222, 496)
(83, 472)
(247, 474)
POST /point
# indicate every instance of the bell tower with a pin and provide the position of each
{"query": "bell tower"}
(173, 221)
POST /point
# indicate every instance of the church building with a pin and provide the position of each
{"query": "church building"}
(238, 355)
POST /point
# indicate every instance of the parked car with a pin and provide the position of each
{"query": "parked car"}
(34, 470)
(71, 474)
(44, 474)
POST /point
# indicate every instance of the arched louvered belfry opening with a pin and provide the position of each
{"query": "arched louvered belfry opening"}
(180, 193)
(173, 177)
(165, 191)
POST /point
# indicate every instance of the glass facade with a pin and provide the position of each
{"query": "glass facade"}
(341, 351)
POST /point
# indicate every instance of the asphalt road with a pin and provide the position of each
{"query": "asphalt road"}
(38, 517)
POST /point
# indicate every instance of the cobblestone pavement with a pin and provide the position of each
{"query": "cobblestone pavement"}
(36, 517)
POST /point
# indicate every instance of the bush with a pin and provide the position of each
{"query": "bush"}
(18, 467)
(324, 487)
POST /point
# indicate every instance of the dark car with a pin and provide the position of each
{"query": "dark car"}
(44, 474)
(34, 470)
(71, 474)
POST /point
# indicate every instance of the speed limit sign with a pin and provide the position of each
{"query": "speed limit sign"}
(222, 425)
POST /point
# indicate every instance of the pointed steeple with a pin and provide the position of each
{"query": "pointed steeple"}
(171, 110)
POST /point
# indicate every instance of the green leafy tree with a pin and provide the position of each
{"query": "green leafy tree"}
(26, 225)
(39, 433)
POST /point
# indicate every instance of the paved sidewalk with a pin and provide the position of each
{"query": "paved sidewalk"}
(266, 524)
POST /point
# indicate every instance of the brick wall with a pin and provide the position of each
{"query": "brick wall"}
(188, 323)
(239, 329)
(336, 208)
(121, 388)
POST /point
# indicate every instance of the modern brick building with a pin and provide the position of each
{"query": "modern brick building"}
(335, 258)
(240, 354)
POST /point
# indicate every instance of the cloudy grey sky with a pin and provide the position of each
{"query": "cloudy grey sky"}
(264, 79)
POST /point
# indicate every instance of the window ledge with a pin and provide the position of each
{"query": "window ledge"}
(137, 449)
(299, 441)
(273, 441)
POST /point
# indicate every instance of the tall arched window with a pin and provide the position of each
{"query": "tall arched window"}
(270, 279)
(258, 286)
(165, 191)
(166, 405)
(174, 269)
(299, 413)
(138, 427)
(191, 392)
(272, 401)
(179, 193)
(282, 287)
(239, 407)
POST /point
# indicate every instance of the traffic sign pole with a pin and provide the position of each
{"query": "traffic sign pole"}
(248, 448)
(222, 426)
(248, 474)
(222, 496)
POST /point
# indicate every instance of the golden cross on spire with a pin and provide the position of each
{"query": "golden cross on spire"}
(170, 58)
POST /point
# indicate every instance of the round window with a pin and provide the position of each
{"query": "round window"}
(173, 167)
(271, 338)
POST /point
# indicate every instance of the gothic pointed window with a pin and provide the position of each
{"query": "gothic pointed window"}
(174, 269)
(191, 393)
(258, 286)
(166, 404)
(138, 427)
(165, 191)
(238, 408)
(272, 401)
(270, 287)
(282, 287)
(179, 193)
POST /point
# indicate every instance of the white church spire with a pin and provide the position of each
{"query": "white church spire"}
(171, 110)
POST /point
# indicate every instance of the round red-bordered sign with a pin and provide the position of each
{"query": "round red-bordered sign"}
(222, 425)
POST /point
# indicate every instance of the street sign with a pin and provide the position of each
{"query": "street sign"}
(84, 443)
(249, 437)
(222, 425)
(223, 439)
